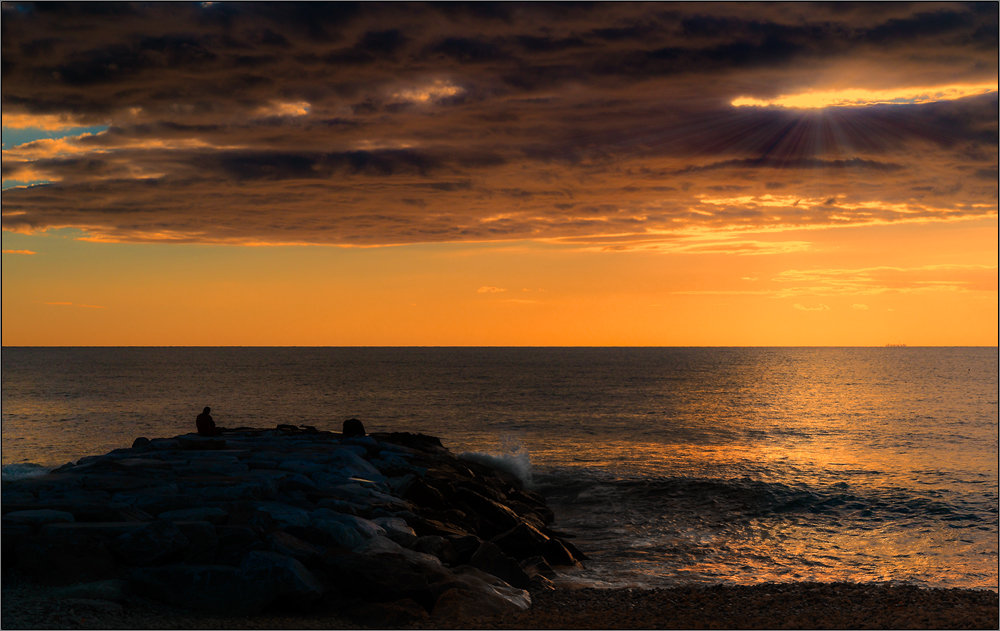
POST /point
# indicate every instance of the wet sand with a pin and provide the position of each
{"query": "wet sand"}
(771, 606)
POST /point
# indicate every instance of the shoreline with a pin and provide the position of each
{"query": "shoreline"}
(296, 528)
(28, 605)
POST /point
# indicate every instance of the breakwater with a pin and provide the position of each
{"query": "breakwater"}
(386, 528)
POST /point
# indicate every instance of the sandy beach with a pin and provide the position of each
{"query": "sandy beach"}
(772, 606)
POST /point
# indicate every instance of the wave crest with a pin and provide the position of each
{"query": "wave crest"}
(512, 456)
(21, 470)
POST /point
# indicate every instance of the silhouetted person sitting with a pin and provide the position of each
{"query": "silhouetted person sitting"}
(206, 425)
(353, 427)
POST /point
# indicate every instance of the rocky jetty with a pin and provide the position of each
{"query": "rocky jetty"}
(386, 528)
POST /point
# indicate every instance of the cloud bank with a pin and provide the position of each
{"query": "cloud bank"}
(603, 126)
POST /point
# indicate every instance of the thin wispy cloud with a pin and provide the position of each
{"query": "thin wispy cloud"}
(490, 290)
(820, 307)
(19, 252)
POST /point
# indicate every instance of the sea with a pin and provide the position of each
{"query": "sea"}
(670, 466)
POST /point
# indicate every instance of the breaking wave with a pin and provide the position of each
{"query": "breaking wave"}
(21, 470)
(512, 456)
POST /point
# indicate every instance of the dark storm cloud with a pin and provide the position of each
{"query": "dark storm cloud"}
(392, 123)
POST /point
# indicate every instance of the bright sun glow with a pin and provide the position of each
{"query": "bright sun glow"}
(856, 97)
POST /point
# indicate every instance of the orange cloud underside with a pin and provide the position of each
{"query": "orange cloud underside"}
(858, 97)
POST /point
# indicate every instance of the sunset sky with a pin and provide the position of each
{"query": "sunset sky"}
(500, 174)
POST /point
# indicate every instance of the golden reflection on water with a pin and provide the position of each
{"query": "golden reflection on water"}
(743, 465)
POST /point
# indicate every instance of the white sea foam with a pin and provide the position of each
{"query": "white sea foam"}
(512, 457)
(21, 470)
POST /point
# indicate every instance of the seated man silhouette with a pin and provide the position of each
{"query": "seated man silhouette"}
(206, 425)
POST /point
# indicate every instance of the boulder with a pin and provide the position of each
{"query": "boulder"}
(439, 547)
(397, 529)
(152, 543)
(303, 467)
(423, 526)
(292, 583)
(525, 541)
(490, 559)
(472, 594)
(348, 531)
(64, 560)
(235, 542)
(203, 541)
(379, 578)
(384, 545)
(304, 552)
(297, 482)
(344, 458)
(38, 518)
(212, 515)
(155, 503)
(216, 589)
(342, 506)
(284, 515)
(108, 529)
(424, 495)
(494, 518)
(313, 535)
(195, 442)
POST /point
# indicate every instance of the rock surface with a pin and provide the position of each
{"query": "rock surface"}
(385, 527)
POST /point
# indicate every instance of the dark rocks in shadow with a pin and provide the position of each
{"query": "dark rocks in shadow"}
(388, 528)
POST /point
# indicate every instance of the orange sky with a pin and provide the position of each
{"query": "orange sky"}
(620, 175)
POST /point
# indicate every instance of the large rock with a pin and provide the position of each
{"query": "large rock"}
(350, 460)
(155, 503)
(379, 578)
(38, 518)
(397, 529)
(64, 560)
(291, 546)
(212, 515)
(525, 541)
(494, 518)
(195, 442)
(284, 515)
(423, 494)
(439, 547)
(293, 584)
(489, 558)
(217, 589)
(204, 541)
(235, 542)
(348, 531)
(473, 594)
(158, 541)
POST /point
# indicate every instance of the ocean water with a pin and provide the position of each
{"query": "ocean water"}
(670, 465)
